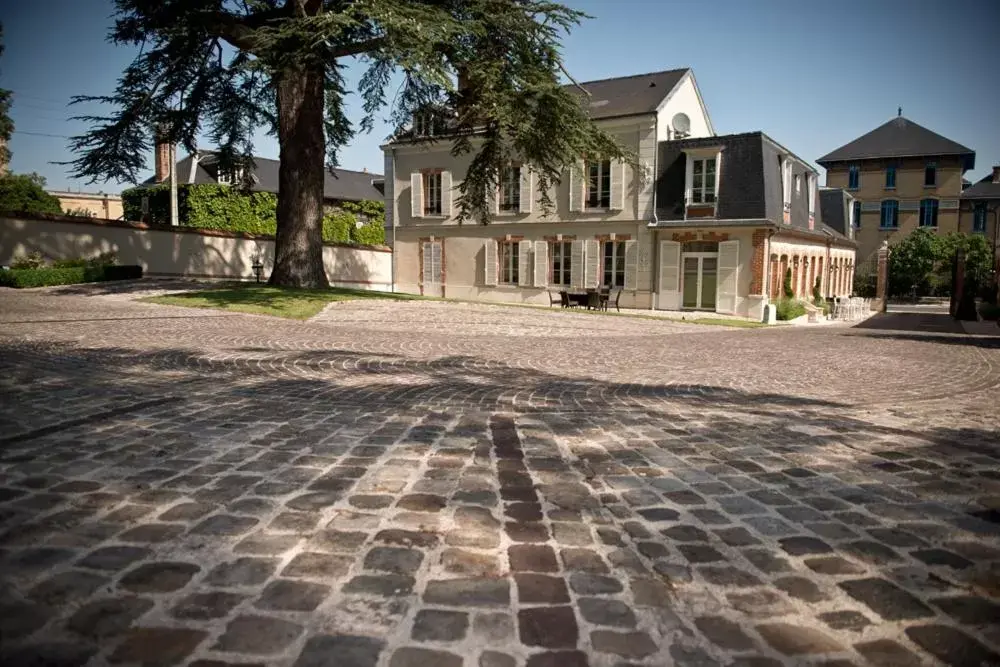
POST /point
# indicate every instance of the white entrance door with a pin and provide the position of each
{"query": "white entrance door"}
(699, 278)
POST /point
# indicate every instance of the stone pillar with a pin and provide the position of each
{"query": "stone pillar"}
(795, 275)
(882, 286)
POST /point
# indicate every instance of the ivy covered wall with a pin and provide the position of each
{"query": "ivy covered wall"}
(210, 206)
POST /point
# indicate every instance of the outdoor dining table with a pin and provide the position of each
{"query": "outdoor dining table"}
(590, 298)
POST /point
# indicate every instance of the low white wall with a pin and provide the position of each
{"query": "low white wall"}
(190, 253)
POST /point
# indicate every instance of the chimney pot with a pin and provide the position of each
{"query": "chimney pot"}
(996, 174)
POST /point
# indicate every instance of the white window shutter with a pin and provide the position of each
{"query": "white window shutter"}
(416, 195)
(541, 264)
(527, 194)
(576, 256)
(428, 262)
(727, 287)
(670, 275)
(446, 194)
(490, 262)
(631, 264)
(493, 200)
(524, 263)
(617, 185)
(577, 186)
(592, 263)
(436, 268)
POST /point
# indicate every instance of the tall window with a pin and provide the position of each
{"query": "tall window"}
(853, 177)
(703, 181)
(890, 214)
(930, 174)
(614, 264)
(798, 185)
(928, 212)
(432, 193)
(979, 218)
(561, 253)
(508, 262)
(890, 177)
(510, 189)
(857, 214)
(599, 184)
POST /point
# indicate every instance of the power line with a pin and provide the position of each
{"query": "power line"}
(42, 134)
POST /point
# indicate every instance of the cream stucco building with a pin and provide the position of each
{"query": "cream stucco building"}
(703, 223)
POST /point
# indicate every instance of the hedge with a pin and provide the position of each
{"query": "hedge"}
(47, 276)
(221, 207)
(789, 309)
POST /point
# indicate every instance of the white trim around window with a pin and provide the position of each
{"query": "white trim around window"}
(701, 182)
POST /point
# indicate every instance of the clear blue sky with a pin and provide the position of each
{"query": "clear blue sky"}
(812, 75)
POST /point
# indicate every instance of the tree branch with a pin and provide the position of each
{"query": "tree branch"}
(355, 48)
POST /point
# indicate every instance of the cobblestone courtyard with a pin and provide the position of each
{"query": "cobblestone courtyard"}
(430, 484)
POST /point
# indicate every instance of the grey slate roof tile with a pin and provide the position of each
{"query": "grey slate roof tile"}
(629, 95)
(900, 137)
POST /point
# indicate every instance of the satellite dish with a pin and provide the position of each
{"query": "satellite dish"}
(681, 123)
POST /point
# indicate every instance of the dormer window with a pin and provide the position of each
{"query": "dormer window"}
(930, 175)
(230, 176)
(703, 181)
(427, 123)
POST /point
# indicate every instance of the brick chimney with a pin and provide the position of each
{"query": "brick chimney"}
(162, 158)
(996, 174)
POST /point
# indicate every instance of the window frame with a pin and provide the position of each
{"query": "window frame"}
(890, 177)
(979, 217)
(433, 186)
(928, 210)
(508, 258)
(891, 206)
(856, 205)
(561, 261)
(704, 194)
(509, 199)
(599, 197)
(930, 168)
(616, 270)
(853, 177)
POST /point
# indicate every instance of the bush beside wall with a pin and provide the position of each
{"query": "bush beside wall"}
(789, 309)
(47, 276)
(221, 207)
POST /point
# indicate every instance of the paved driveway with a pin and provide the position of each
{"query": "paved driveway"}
(410, 484)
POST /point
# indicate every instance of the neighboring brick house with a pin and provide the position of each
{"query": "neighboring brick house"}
(661, 235)
(203, 167)
(903, 176)
(980, 210)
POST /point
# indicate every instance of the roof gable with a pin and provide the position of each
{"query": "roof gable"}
(898, 138)
(629, 95)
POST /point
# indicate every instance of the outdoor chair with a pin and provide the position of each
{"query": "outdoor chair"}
(556, 297)
(564, 299)
(606, 298)
(840, 308)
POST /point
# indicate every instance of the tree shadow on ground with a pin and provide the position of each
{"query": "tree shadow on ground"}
(631, 445)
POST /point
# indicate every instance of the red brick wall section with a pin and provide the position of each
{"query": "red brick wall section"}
(757, 261)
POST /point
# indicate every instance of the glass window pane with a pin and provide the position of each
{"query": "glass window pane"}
(710, 166)
(698, 166)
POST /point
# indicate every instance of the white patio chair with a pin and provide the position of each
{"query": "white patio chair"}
(839, 308)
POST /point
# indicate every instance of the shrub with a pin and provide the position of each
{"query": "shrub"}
(31, 261)
(786, 286)
(789, 309)
(80, 212)
(817, 295)
(225, 208)
(46, 276)
(821, 303)
(26, 193)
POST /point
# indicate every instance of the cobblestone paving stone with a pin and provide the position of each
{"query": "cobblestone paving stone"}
(436, 484)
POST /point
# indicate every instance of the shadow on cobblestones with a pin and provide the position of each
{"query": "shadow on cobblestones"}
(253, 502)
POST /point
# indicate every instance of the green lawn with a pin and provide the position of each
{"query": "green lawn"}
(291, 302)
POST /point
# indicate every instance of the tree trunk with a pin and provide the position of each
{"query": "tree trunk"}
(298, 244)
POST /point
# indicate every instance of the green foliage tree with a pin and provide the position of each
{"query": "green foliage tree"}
(25, 193)
(912, 262)
(978, 257)
(786, 285)
(6, 123)
(817, 292)
(231, 68)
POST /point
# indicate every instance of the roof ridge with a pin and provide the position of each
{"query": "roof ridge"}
(632, 76)
(257, 158)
